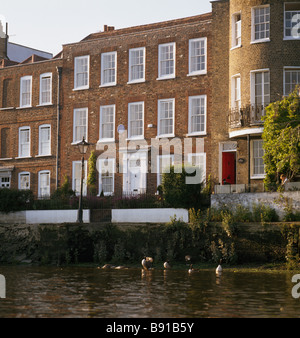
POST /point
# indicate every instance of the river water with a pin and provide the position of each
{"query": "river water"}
(88, 292)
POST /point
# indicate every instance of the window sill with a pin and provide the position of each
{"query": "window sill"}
(24, 107)
(45, 105)
(49, 155)
(290, 38)
(107, 140)
(8, 108)
(260, 41)
(197, 73)
(81, 88)
(165, 136)
(135, 138)
(196, 134)
(165, 78)
(257, 177)
(24, 157)
(6, 159)
(113, 84)
(236, 47)
(136, 81)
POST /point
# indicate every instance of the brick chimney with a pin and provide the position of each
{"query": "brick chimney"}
(108, 28)
(3, 42)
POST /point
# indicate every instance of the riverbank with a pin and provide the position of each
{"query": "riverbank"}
(253, 245)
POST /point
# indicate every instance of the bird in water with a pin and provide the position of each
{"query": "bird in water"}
(188, 259)
(219, 269)
(191, 269)
(167, 265)
(147, 263)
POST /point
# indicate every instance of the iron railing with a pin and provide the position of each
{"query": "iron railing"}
(248, 116)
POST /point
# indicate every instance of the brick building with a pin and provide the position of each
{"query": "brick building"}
(192, 90)
(29, 106)
(132, 89)
(256, 58)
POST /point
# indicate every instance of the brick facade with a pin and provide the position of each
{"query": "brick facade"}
(149, 91)
(244, 67)
(13, 117)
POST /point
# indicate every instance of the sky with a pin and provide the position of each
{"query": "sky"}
(47, 25)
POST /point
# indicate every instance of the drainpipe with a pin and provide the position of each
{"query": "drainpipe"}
(59, 71)
(249, 158)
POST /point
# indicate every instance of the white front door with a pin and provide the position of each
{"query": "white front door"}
(134, 179)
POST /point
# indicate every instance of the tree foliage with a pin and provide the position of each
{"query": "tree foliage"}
(182, 187)
(92, 177)
(282, 139)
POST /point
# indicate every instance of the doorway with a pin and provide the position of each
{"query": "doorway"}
(229, 168)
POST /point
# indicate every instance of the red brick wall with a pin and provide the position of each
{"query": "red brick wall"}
(13, 117)
(180, 88)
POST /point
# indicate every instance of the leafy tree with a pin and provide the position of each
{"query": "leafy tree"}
(282, 139)
(92, 177)
(182, 187)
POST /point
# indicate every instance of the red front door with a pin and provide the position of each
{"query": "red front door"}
(228, 168)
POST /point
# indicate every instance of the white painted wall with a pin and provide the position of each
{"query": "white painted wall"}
(55, 216)
(148, 215)
(43, 216)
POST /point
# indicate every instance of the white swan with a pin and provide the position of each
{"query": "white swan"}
(147, 263)
(219, 269)
(167, 265)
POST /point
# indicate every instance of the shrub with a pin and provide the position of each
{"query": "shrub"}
(177, 192)
(15, 200)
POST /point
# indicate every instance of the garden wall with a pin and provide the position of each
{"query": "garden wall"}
(148, 215)
(278, 201)
(43, 216)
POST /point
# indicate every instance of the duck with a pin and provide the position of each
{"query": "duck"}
(167, 265)
(147, 263)
(191, 269)
(219, 268)
(108, 266)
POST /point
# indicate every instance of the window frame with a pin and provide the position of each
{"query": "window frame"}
(23, 173)
(290, 69)
(141, 136)
(253, 25)
(25, 78)
(107, 139)
(253, 86)
(202, 157)
(43, 76)
(113, 161)
(40, 140)
(74, 179)
(252, 167)
(202, 132)
(40, 173)
(76, 85)
(20, 153)
(290, 37)
(143, 78)
(111, 83)
(159, 110)
(202, 71)
(159, 159)
(75, 140)
(234, 90)
(160, 60)
(236, 41)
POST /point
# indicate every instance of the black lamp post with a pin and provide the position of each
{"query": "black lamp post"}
(83, 147)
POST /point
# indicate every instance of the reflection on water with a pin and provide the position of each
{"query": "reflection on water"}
(134, 293)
